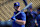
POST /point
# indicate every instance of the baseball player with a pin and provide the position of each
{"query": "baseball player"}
(30, 15)
(19, 20)
(33, 13)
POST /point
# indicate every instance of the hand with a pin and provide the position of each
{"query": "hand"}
(36, 24)
(13, 18)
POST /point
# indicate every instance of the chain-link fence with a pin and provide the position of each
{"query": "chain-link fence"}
(6, 7)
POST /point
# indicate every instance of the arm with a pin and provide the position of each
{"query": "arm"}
(23, 21)
(36, 22)
(20, 22)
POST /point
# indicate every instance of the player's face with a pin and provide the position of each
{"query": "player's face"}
(16, 8)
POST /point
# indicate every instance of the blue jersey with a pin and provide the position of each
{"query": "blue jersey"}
(33, 13)
(21, 16)
(38, 20)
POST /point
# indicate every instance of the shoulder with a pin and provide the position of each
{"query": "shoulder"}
(14, 12)
(34, 12)
(39, 15)
(22, 13)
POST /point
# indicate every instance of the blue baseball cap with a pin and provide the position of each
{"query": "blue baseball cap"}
(38, 9)
(17, 4)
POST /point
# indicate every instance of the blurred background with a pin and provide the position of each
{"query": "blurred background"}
(6, 10)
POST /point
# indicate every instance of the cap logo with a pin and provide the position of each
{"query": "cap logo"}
(17, 3)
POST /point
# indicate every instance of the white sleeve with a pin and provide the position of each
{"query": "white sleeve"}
(35, 21)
